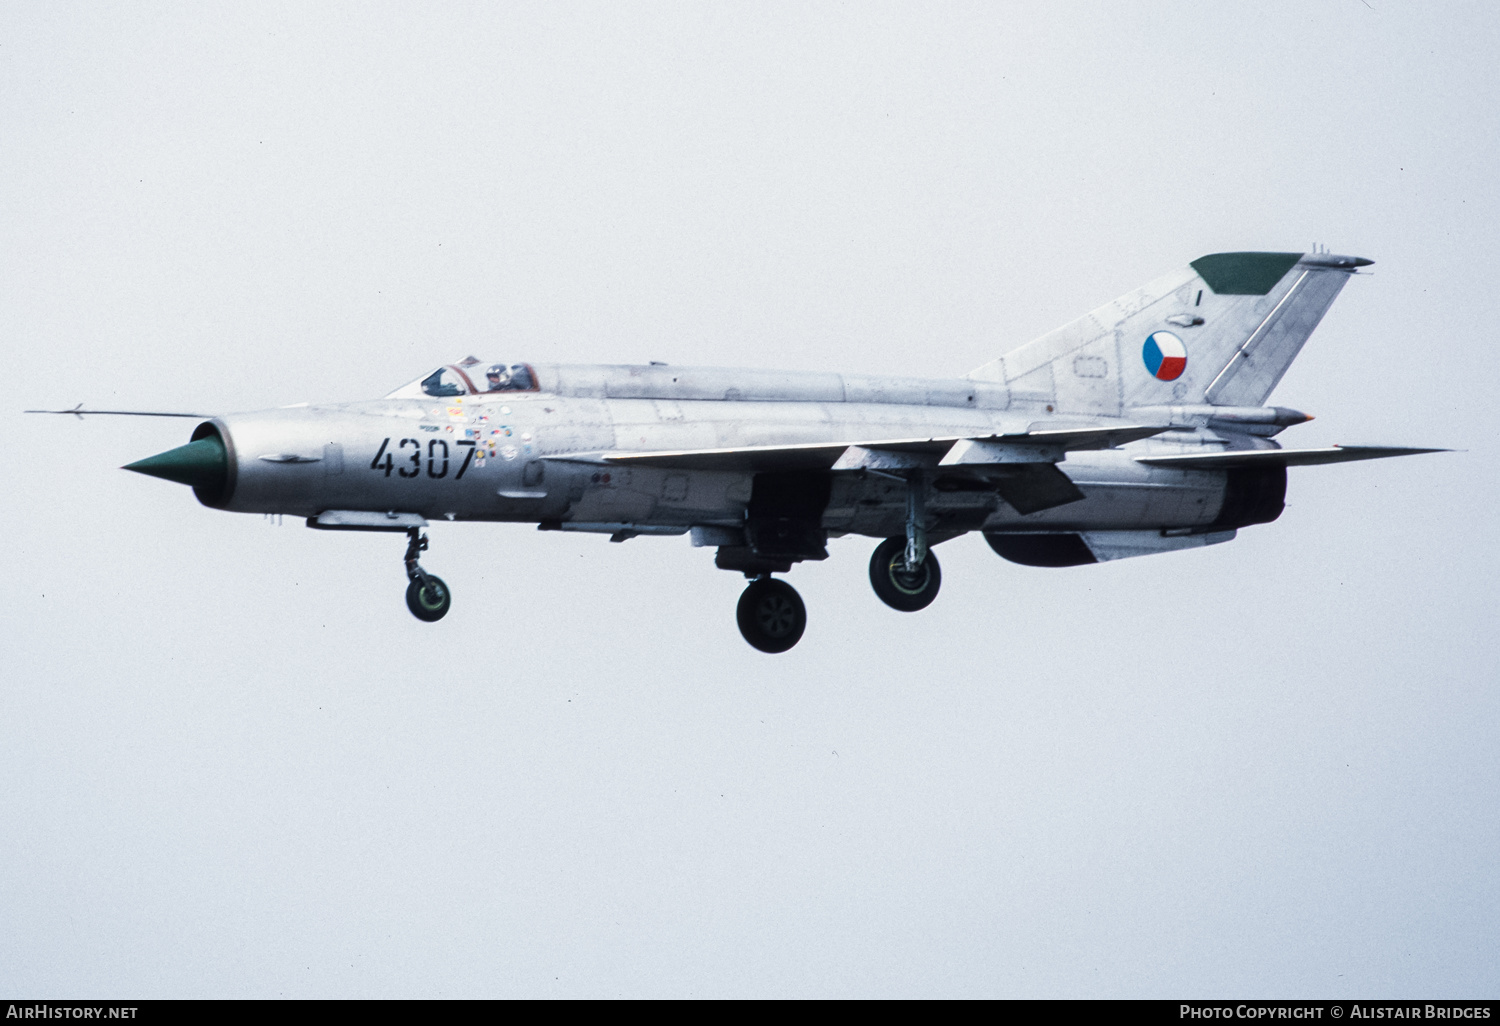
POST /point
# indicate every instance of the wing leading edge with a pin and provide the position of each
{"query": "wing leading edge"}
(1045, 446)
(1022, 467)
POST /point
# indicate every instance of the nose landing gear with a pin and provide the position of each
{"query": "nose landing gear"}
(771, 615)
(427, 596)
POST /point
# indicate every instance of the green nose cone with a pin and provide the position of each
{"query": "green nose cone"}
(201, 464)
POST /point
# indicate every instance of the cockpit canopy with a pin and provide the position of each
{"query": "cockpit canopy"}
(471, 377)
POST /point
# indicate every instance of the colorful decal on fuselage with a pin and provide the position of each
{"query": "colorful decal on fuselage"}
(1165, 356)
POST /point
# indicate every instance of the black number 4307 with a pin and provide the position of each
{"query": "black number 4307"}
(410, 463)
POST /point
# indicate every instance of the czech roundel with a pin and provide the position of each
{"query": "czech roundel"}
(1165, 356)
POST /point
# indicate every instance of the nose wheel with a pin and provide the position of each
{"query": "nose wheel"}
(429, 600)
(427, 596)
(771, 615)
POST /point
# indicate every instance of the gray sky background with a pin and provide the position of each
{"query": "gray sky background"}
(233, 764)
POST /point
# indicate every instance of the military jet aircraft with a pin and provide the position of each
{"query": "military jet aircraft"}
(1138, 429)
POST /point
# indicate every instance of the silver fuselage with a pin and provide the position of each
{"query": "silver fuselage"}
(508, 457)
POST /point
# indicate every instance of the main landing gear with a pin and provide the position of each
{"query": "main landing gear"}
(771, 615)
(900, 584)
(427, 596)
(903, 571)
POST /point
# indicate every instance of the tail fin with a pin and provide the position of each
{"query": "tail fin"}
(1222, 330)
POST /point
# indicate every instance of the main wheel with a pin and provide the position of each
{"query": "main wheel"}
(771, 615)
(428, 599)
(899, 588)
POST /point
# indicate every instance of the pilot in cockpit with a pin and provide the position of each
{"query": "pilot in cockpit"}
(498, 377)
(515, 378)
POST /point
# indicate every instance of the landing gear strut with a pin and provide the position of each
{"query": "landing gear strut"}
(771, 615)
(427, 596)
(903, 571)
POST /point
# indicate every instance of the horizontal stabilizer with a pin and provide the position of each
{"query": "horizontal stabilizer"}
(1279, 457)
